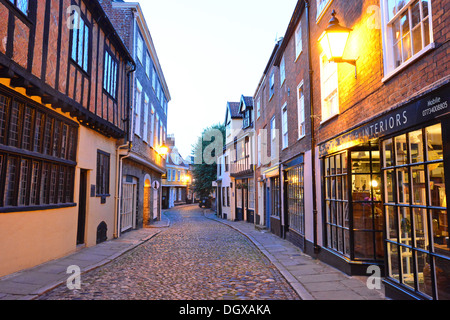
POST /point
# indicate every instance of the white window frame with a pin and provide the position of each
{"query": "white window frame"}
(298, 41)
(169, 175)
(152, 126)
(137, 109)
(146, 109)
(327, 72)
(284, 126)
(259, 149)
(154, 79)
(273, 136)
(140, 49)
(272, 84)
(322, 6)
(155, 133)
(147, 64)
(282, 71)
(388, 41)
(258, 108)
(301, 111)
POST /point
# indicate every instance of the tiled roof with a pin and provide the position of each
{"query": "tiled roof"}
(234, 109)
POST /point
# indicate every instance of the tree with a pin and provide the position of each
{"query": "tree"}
(206, 150)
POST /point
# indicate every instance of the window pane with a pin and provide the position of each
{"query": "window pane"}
(23, 185)
(443, 278)
(80, 43)
(405, 225)
(434, 142)
(415, 14)
(11, 180)
(418, 185)
(86, 49)
(14, 125)
(440, 232)
(390, 186)
(406, 42)
(364, 245)
(421, 228)
(361, 162)
(392, 225)
(362, 216)
(437, 185)
(388, 153)
(426, 31)
(424, 273)
(361, 187)
(394, 263)
(34, 196)
(407, 267)
(416, 146)
(403, 185)
(417, 39)
(401, 150)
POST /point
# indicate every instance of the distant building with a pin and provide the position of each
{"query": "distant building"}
(178, 179)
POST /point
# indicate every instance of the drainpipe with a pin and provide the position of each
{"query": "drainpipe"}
(119, 157)
(313, 138)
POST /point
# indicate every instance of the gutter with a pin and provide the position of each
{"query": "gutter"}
(313, 138)
(119, 157)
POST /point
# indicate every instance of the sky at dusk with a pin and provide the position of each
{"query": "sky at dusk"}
(211, 52)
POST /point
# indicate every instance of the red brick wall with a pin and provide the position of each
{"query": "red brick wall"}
(367, 96)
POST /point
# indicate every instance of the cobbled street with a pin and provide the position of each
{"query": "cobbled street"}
(194, 259)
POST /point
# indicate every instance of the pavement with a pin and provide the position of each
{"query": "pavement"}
(310, 278)
(29, 284)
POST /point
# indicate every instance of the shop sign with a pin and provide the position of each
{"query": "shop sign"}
(429, 107)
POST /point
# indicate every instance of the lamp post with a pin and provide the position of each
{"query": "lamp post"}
(334, 40)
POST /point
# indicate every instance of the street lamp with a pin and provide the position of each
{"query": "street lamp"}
(334, 40)
(163, 150)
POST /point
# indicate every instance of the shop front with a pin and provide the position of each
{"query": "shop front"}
(384, 198)
(294, 201)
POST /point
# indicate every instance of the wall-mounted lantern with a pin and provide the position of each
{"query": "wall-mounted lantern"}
(334, 40)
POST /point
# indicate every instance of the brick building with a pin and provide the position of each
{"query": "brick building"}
(351, 160)
(144, 164)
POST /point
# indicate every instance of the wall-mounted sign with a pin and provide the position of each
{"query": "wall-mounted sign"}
(429, 107)
(155, 185)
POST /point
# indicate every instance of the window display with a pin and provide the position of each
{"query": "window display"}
(415, 206)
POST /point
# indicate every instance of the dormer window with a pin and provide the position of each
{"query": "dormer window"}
(247, 119)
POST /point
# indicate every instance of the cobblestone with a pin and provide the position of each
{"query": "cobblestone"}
(195, 259)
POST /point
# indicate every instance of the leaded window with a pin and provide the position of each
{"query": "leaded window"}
(80, 42)
(103, 168)
(36, 145)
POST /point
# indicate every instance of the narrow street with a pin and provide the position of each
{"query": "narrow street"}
(194, 259)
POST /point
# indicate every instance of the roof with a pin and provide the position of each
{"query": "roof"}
(246, 102)
(233, 108)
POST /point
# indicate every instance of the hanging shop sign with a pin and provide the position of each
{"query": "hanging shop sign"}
(432, 106)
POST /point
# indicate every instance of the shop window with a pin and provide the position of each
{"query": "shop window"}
(337, 203)
(275, 196)
(353, 206)
(416, 212)
(295, 199)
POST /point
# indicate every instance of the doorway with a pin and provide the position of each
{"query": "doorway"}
(82, 208)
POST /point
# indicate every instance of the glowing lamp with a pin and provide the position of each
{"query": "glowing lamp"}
(334, 40)
(163, 150)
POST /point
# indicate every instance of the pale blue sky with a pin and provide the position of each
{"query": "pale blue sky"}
(212, 52)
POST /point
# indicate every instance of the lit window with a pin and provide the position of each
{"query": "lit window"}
(329, 88)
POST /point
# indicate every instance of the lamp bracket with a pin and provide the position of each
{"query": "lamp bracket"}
(350, 61)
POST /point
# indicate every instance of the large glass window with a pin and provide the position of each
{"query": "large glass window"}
(275, 196)
(337, 203)
(295, 199)
(416, 212)
(353, 207)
